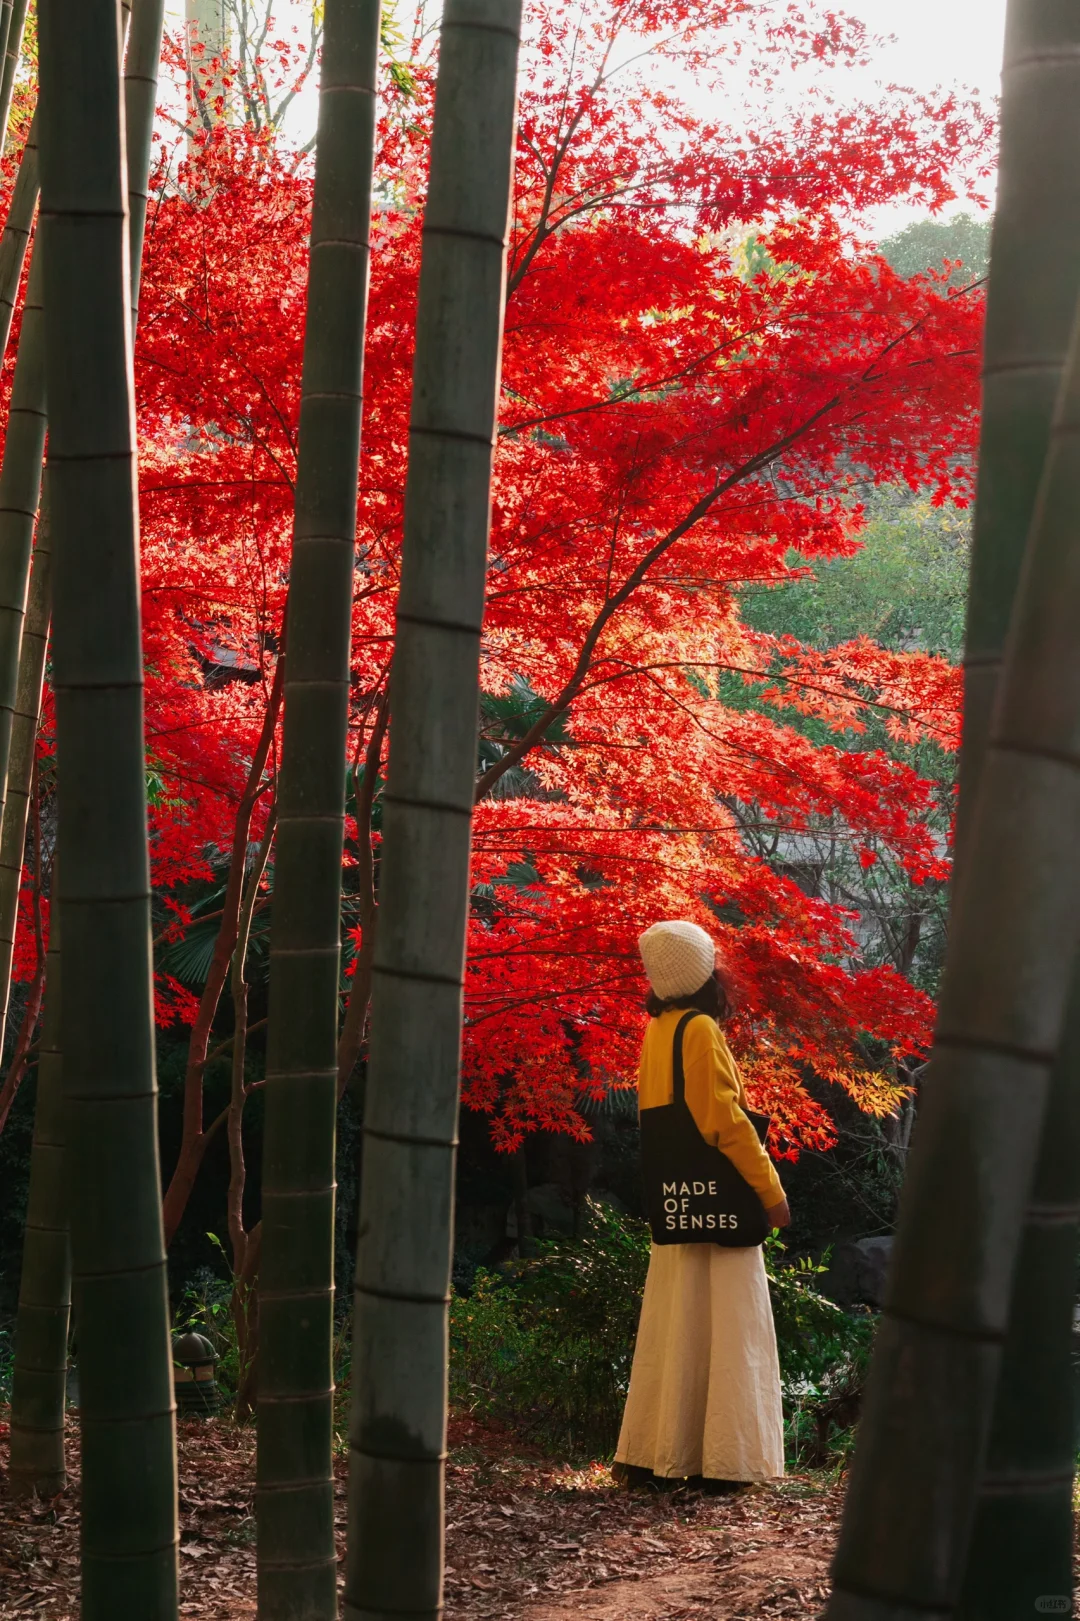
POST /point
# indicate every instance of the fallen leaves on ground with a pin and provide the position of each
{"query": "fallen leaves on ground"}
(527, 1538)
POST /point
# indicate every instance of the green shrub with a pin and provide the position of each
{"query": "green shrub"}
(205, 1308)
(824, 1352)
(546, 1344)
(7, 1354)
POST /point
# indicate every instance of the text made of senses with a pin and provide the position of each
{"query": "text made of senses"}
(677, 1196)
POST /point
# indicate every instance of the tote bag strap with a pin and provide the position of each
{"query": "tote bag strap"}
(678, 1074)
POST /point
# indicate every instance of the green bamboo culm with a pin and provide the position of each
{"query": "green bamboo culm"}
(39, 1384)
(142, 65)
(20, 492)
(129, 1522)
(20, 476)
(398, 1427)
(297, 1560)
(1012, 941)
(1031, 299)
(24, 729)
(1021, 1548)
(39, 1375)
(5, 28)
(12, 50)
(16, 235)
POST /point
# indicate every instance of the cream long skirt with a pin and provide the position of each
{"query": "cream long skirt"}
(704, 1393)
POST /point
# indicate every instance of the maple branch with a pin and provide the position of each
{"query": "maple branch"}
(699, 510)
(632, 389)
(223, 1046)
(637, 830)
(176, 928)
(839, 693)
(754, 464)
(535, 998)
(194, 1140)
(541, 232)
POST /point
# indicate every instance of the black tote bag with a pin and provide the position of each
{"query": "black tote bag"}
(693, 1193)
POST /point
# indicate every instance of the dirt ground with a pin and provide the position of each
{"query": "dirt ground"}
(526, 1538)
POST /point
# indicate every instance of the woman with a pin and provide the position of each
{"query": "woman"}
(704, 1398)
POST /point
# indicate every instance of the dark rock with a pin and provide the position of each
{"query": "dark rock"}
(857, 1271)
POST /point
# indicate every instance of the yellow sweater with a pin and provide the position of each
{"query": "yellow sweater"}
(714, 1094)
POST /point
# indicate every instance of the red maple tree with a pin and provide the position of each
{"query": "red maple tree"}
(704, 366)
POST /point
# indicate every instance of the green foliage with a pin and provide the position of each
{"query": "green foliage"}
(906, 587)
(546, 1345)
(505, 718)
(824, 1353)
(925, 244)
(7, 1359)
(205, 1308)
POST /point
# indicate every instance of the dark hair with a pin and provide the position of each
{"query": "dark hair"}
(712, 998)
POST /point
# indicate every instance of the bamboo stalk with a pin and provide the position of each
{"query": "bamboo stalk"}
(20, 1058)
(39, 1381)
(20, 485)
(398, 1430)
(13, 41)
(5, 32)
(141, 68)
(24, 729)
(17, 228)
(1021, 1547)
(297, 1558)
(1013, 940)
(20, 492)
(129, 1524)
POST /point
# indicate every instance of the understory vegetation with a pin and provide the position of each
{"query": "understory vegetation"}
(545, 1344)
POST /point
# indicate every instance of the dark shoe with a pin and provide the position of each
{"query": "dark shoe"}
(633, 1477)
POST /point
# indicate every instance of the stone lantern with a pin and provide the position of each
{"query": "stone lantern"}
(194, 1363)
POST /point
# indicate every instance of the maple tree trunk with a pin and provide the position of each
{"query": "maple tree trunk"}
(129, 1513)
(522, 1212)
(39, 1375)
(244, 1246)
(351, 1038)
(398, 1427)
(297, 1556)
(1012, 942)
(1021, 1547)
(194, 1141)
(244, 1307)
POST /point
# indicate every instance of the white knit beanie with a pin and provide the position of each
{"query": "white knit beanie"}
(678, 956)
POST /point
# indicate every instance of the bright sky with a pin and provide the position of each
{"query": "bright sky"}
(936, 42)
(947, 43)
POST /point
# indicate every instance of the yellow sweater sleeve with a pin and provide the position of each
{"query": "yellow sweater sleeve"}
(714, 1095)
